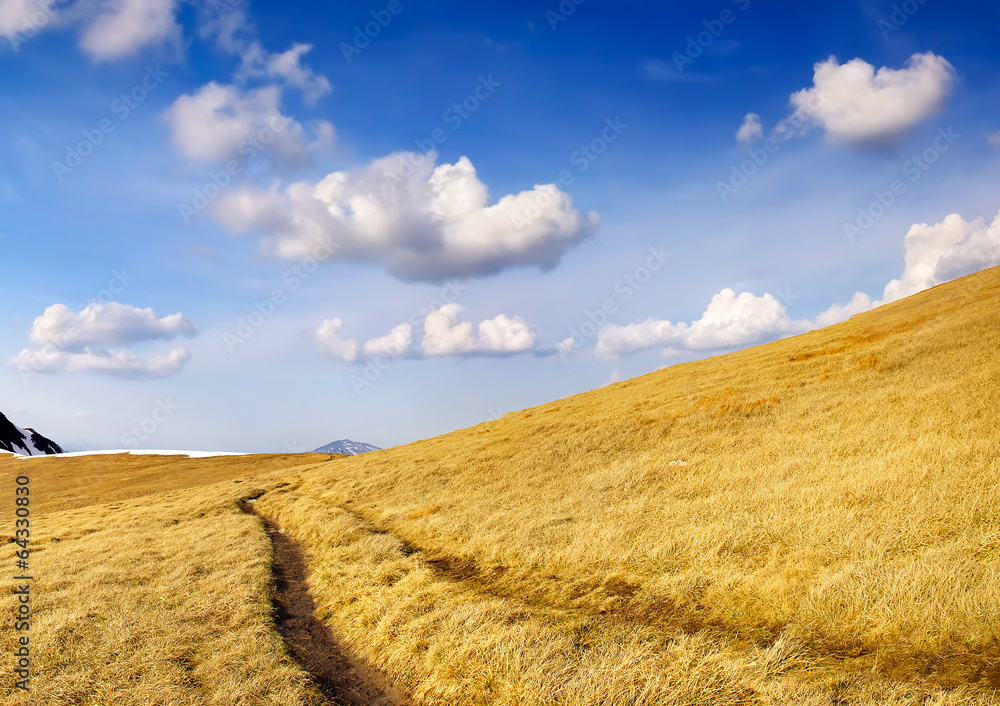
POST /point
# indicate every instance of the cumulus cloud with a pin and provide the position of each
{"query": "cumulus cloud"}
(72, 342)
(934, 254)
(123, 27)
(111, 324)
(858, 105)
(419, 221)
(395, 344)
(842, 312)
(286, 67)
(222, 122)
(114, 363)
(446, 334)
(729, 320)
(751, 129)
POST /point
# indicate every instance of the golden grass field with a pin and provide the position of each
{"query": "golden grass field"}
(813, 521)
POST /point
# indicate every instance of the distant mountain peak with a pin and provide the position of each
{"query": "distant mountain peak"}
(25, 442)
(346, 447)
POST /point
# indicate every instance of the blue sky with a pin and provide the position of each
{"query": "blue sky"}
(224, 227)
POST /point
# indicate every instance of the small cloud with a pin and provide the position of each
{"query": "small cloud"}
(446, 334)
(993, 138)
(751, 130)
(123, 27)
(111, 324)
(222, 122)
(615, 376)
(76, 342)
(729, 320)
(257, 62)
(857, 105)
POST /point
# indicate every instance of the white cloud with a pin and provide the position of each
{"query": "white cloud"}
(395, 344)
(419, 221)
(993, 139)
(615, 376)
(934, 254)
(111, 324)
(445, 334)
(114, 363)
(857, 105)
(944, 251)
(328, 339)
(842, 312)
(221, 122)
(123, 27)
(74, 342)
(24, 16)
(730, 320)
(287, 67)
(751, 129)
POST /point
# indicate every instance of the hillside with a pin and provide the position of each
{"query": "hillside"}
(812, 521)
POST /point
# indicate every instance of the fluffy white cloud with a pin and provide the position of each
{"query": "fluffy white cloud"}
(944, 251)
(420, 221)
(395, 344)
(842, 312)
(222, 122)
(729, 320)
(110, 324)
(751, 129)
(934, 254)
(446, 334)
(123, 27)
(855, 104)
(73, 342)
(115, 363)
(286, 67)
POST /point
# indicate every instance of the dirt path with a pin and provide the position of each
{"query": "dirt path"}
(343, 680)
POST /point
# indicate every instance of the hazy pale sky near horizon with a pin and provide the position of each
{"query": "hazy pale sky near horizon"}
(261, 226)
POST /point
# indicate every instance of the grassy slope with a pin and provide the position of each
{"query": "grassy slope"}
(831, 534)
(838, 503)
(151, 586)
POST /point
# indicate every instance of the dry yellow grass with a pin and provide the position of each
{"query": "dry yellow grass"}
(809, 522)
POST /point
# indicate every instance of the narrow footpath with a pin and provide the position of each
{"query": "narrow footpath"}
(343, 680)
